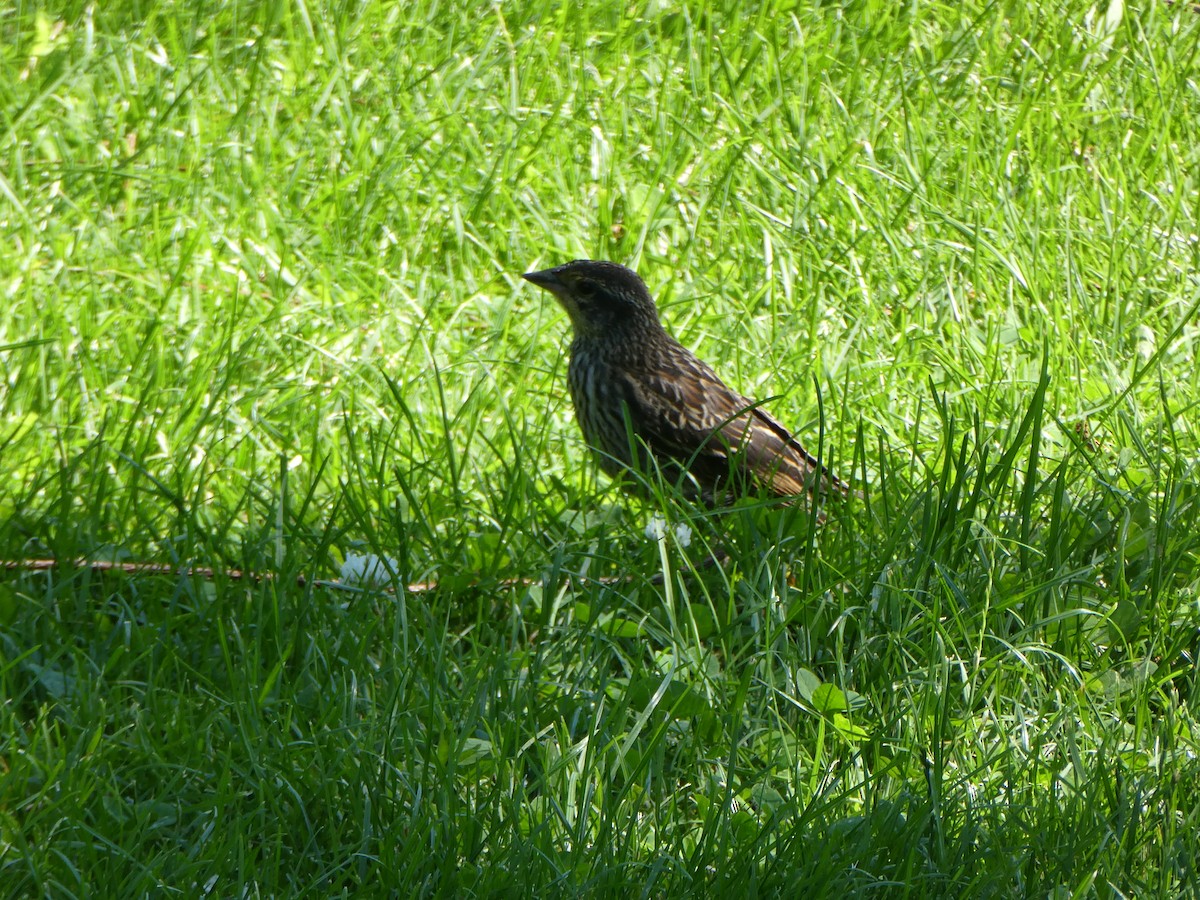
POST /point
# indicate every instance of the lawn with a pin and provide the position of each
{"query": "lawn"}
(262, 314)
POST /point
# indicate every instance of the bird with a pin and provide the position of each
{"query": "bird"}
(644, 401)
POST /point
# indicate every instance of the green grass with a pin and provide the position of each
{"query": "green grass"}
(262, 309)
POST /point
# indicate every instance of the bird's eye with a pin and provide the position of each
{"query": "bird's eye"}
(586, 289)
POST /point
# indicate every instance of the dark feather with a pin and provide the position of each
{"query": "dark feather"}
(684, 411)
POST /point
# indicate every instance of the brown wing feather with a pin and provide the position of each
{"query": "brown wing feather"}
(684, 411)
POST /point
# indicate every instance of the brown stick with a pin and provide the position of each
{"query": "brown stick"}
(156, 568)
(134, 568)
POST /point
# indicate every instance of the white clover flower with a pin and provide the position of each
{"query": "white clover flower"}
(368, 569)
(683, 534)
(656, 530)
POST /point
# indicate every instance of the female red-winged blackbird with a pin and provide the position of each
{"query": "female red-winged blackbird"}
(643, 400)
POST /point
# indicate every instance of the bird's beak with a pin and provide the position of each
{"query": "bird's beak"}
(545, 279)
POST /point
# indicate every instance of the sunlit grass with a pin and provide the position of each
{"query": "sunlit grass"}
(262, 311)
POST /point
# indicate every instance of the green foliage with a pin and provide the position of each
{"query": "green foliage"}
(262, 311)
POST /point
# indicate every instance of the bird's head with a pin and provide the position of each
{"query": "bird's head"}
(600, 297)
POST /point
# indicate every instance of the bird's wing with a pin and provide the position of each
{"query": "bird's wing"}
(685, 411)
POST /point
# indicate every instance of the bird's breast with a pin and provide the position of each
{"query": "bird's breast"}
(597, 392)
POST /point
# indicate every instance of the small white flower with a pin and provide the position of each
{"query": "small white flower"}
(656, 528)
(683, 534)
(368, 569)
